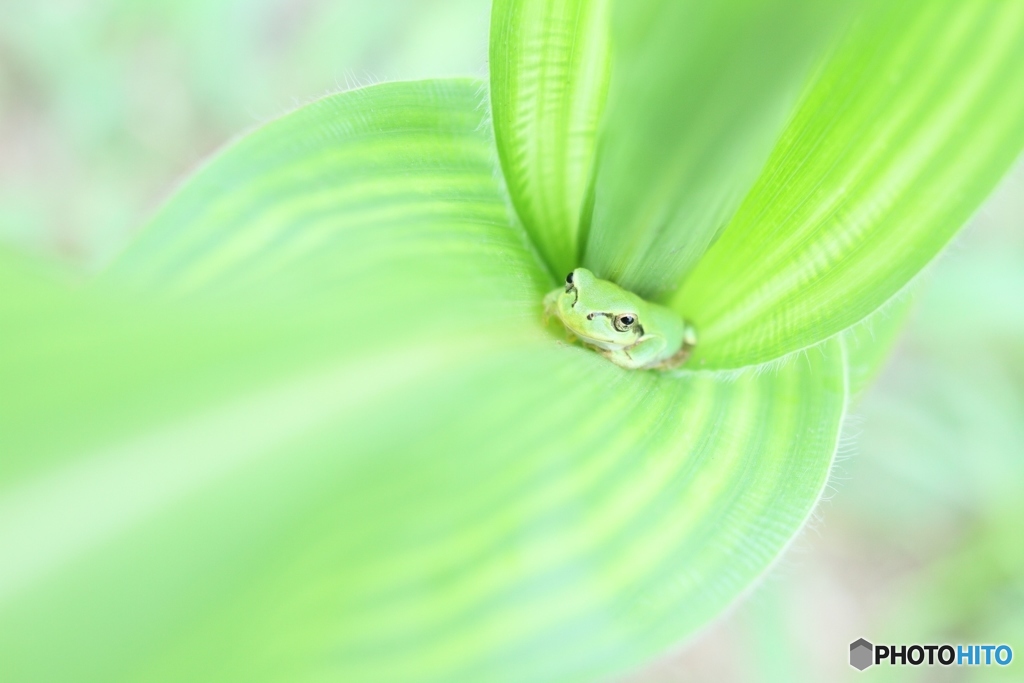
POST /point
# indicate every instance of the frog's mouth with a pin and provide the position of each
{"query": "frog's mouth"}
(608, 342)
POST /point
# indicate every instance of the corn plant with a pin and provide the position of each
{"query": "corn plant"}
(312, 425)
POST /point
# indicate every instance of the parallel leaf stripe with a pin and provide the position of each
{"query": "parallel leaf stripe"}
(870, 181)
(654, 515)
(549, 65)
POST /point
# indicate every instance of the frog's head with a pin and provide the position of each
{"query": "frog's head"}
(599, 312)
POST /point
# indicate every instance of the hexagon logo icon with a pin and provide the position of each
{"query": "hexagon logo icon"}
(861, 652)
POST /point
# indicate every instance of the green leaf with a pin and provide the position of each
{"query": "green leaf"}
(395, 505)
(339, 444)
(320, 200)
(549, 62)
(700, 92)
(275, 258)
(904, 133)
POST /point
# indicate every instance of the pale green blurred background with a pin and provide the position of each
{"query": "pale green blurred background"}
(106, 104)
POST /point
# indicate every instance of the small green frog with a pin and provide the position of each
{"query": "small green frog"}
(624, 328)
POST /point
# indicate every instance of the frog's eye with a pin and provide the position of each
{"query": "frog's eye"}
(568, 278)
(624, 321)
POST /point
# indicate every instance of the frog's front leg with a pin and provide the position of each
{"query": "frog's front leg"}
(683, 354)
(647, 352)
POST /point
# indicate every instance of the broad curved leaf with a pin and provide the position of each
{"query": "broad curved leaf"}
(700, 92)
(549, 62)
(283, 253)
(906, 130)
(402, 475)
